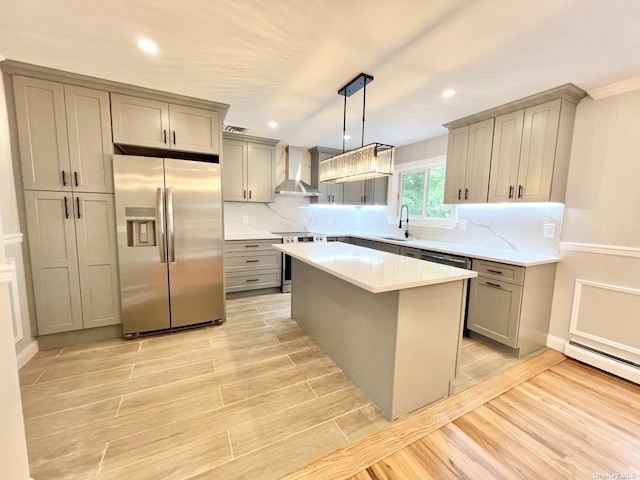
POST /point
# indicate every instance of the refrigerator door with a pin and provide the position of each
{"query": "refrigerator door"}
(195, 241)
(139, 195)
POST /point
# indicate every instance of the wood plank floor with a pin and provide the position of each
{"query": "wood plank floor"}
(570, 422)
(253, 398)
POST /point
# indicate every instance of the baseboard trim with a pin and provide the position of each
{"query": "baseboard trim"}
(27, 353)
(557, 343)
(603, 362)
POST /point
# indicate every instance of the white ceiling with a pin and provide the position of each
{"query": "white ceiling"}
(285, 60)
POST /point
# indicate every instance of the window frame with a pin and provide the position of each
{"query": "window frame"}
(395, 189)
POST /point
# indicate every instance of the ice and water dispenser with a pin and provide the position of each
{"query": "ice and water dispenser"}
(141, 226)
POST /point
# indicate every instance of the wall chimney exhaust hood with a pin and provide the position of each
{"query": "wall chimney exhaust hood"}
(293, 186)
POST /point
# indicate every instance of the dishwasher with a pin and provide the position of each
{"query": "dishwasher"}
(452, 261)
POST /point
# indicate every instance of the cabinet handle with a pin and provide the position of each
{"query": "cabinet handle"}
(66, 208)
(64, 179)
(249, 194)
(251, 246)
(459, 194)
(511, 191)
(252, 261)
(174, 137)
(466, 193)
(253, 280)
(78, 205)
(333, 198)
(494, 285)
(75, 177)
(494, 271)
(244, 194)
(365, 199)
(164, 136)
(520, 188)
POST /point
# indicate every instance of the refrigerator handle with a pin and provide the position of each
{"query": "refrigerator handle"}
(160, 233)
(170, 231)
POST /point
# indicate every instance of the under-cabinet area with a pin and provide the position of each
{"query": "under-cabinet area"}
(252, 265)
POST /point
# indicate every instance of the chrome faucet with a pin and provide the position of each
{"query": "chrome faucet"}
(406, 232)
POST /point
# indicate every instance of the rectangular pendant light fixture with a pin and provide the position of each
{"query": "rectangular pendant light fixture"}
(368, 161)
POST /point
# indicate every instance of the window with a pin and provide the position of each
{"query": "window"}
(420, 186)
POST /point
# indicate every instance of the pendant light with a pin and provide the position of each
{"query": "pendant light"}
(368, 161)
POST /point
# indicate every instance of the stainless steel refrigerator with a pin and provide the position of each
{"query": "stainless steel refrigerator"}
(170, 240)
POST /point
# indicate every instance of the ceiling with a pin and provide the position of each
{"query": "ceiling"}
(284, 60)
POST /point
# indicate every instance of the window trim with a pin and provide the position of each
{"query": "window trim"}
(395, 188)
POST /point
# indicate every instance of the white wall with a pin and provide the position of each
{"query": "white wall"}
(598, 281)
(13, 236)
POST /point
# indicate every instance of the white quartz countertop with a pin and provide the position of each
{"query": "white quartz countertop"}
(503, 256)
(252, 236)
(373, 270)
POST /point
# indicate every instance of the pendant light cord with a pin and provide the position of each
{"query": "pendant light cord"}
(344, 122)
(364, 105)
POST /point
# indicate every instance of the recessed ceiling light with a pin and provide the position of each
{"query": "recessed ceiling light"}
(148, 46)
(449, 92)
(273, 124)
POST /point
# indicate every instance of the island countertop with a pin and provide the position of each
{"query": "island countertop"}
(373, 270)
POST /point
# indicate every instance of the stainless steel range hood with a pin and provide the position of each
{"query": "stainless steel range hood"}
(293, 186)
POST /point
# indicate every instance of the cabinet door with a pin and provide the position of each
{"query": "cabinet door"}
(54, 261)
(458, 145)
(353, 193)
(505, 157)
(537, 157)
(138, 121)
(336, 191)
(234, 171)
(97, 259)
(375, 191)
(327, 190)
(42, 134)
(90, 145)
(194, 129)
(261, 173)
(476, 176)
(494, 310)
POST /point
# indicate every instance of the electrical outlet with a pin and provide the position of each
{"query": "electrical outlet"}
(549, 230)
(462, 224)
(245, 219)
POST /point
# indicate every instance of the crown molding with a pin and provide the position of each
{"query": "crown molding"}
(615, 88)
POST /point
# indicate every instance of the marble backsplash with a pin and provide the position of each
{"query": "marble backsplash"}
(507, 227)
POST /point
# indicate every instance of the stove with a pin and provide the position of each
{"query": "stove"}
(294, 237)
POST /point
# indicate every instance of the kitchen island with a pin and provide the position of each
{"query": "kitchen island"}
(392, 323)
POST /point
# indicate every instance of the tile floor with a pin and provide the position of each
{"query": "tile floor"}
(253, 398)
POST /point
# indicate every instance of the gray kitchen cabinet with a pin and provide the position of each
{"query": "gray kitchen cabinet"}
(468, 163)
(410, 252)
(251, 265)
(366, 192)
(511, 305)
(64, 133)
(74, 260)
(248, 169)
(156, 124)
(382, 246)
(527, 157)
(332, 193)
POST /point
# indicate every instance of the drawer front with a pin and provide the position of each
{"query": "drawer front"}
(383, 247)
(252, 281)
(249, 246)
(410, 252)
(234, 262)
(499, 271)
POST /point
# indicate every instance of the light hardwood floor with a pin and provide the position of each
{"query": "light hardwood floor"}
(253, 398)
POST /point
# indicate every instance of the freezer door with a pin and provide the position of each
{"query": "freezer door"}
(139, 192)
(195, 240)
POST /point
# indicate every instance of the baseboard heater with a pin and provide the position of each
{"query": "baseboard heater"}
(619, 366)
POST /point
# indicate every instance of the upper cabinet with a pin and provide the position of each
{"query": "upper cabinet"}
(248, 169)
(518, 152)
(64, 133)
(151, 123)
(468, 163)
(331, 192)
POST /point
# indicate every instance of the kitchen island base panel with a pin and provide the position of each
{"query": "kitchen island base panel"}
(399, 347)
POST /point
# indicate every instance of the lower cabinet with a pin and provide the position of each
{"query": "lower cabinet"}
(382, 246)
(72, 242)
(251, 265)
(511, 305)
